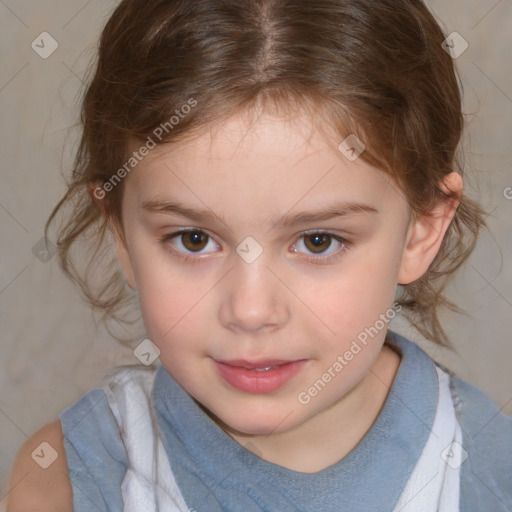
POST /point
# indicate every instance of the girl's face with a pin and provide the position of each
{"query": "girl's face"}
(291, 253)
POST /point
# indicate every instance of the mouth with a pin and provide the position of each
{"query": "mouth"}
(263, 376)
(262, 364)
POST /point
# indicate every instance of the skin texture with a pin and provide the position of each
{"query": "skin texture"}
(34, 488)
(282, 305)
(285, 304)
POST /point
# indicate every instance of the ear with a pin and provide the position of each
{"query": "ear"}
(426, 233)
(97, 194)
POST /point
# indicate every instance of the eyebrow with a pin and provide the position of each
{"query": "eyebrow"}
(337, 210)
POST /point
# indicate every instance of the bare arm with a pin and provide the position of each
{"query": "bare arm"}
(33, 486)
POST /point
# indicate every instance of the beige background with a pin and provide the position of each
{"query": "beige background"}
(53, 349)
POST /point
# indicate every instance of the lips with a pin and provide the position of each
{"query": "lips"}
(254, 365)
(261, 376)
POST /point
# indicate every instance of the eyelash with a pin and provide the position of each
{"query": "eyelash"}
(346, 245)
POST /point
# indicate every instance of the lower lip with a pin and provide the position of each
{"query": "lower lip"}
(252, 381)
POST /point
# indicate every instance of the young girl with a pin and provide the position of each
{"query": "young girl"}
(280, 181)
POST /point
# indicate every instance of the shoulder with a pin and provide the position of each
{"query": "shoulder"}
(97, 431)
(39, 478)
(487, 440)
(86, 448)
(482, 420)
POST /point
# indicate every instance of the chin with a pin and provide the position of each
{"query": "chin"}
(252, 428)
(273, 422)
(253, 423)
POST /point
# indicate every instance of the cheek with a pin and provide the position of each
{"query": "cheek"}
(169, 306)
(355, 297)
(174, 317)
(376, 271)
(170, 297)
(354, 310)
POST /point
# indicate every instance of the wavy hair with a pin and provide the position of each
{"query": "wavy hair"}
(374, 68)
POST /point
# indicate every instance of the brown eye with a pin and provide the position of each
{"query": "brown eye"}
(317, 242)
(194, 240)
(318, 247)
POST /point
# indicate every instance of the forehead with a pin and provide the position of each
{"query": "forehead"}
(262, 162)
(247, 133)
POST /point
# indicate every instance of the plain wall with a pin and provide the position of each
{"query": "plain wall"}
(54, 350)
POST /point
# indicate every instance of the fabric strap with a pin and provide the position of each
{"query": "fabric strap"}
(435, 481)
(149, 484)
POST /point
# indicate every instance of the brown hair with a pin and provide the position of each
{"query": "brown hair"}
(374, 68)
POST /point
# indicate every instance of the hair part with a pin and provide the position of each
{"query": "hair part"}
(375, 69)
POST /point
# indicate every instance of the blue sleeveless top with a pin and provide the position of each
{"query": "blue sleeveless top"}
(214, 473)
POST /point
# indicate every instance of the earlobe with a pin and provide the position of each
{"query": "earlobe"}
(427, 232)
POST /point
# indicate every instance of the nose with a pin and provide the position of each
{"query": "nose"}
(254, 299)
